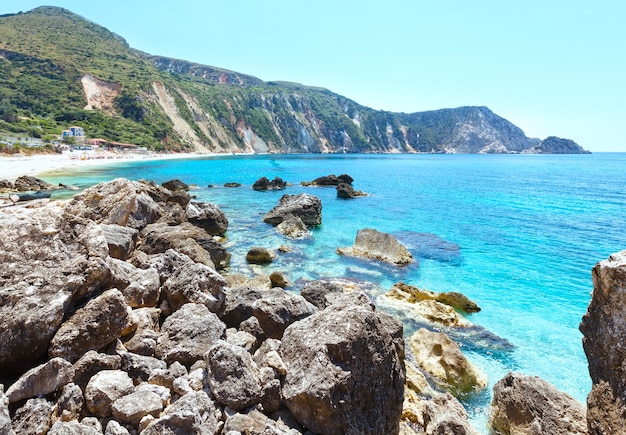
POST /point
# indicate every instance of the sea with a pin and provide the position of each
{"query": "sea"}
(517, 234)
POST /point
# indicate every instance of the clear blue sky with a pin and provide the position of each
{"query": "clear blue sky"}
(552, 67)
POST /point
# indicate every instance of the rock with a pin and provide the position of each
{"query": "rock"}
(294, 228)
(175, 185)
(162, 392)
(193, 413)
(233, 376)
(252, 327)
(69, 403)
(529, 405)
(255, 422)
(145, 322)
(241, 339)
(329, 180)
(159, 237)
(373, 244)
(104, 389)
(5, 417)
(140, 287)
(443, 414)
(604, 334)
(40, 283)
(6, 185)
(195, 283)
(279, 279)
(208, 216)
(258, 255)
(95, 325)
(306, 207)
(168, 263)
(264, 184)
(93, 362)
(277, 309)
(132, 408)
(238, 305)
(140, 367)
(411, 294)
(121, 240)
(114, 428)
(442, 358)
(232, 184)
(34, 418)
(315, 292)
(41, 380)
(27, 182)
(72, 428)
(218, 253)
(348, 379)
(188, 334)
(437, 312)
(346, 191)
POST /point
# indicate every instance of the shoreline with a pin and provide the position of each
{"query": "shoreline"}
(13, 167)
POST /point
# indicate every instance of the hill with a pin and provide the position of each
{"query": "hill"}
(59, 69)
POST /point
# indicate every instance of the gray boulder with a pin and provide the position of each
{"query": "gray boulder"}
(529, 405)
(140, 287)
(140, 367)
(306, 207)
(332, 385)
(34, 418)
(93, 362)
(294, 228)
(441, 414)
(159, 237)
(316, 291)
(133, 407)
(175, 185)
(188, 334)
(238, 305)
(604, 334)
(104, 389)
(208, 216)
(277, 309)
(218, 253)
(114, 428)
(95, 325)
(255, 422)
(28, 182)
(5, 417)
(41, 380)
(72, 428)
(145, 331)
(233, 376)
(195, 283)
(120, 240)
(69, 403)
(372, 244)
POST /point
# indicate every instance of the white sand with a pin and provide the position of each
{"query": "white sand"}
(13, 167)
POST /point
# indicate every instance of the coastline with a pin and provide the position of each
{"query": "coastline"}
(16, 166)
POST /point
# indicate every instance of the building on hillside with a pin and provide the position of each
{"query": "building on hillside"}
(78, 133)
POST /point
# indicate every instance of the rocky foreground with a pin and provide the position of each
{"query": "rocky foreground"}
(117, 317)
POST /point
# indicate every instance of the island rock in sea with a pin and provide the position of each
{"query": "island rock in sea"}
(373, 244)
(193, 356)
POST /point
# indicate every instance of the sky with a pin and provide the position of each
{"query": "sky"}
(551, 67)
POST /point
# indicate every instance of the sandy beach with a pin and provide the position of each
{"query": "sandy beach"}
(12, 167)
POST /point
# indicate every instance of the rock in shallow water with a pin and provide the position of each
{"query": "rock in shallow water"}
(372, 244)
(306, 207)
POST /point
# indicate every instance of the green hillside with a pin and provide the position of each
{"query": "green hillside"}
(59, 69)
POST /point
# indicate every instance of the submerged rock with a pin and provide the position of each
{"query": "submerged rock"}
(306, 207)
(372, 244)
(260, 255)
(442, 358)
(293, 227)
(528, 405)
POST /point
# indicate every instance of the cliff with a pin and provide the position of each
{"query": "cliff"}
(57, 69)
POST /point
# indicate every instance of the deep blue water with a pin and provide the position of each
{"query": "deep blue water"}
(518, 234)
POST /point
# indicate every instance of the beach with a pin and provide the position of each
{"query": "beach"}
(12, 167)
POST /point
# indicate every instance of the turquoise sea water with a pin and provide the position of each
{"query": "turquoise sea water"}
(518, 234)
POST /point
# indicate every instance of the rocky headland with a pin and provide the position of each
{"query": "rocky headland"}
(118, 315)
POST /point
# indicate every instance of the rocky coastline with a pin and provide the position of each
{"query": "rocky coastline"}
(119, 315)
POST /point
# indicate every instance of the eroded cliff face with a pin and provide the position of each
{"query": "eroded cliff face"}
(604, 341)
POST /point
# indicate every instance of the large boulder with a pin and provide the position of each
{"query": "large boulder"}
(372, 244)
(306, 207)
(195, 283)
(346, 191)
(28, 182)
(41, 380)
(34, 418)
(133, 407)
(120, 240)
(316, 292)
(93, 362)
(95, 325)
(41, 282)
(442, 358)
(208, 216)
(140, 287)
(104, 389)
(188, 334)
(157, 238)
(238, 304)
(440, 414)
(528, 405)
(348, 380)
(233, 376)
(604, 335)
(329, 180)
(193, 413)
(293, 227)
(260, 255)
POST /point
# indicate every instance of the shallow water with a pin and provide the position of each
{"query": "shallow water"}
(518, 234)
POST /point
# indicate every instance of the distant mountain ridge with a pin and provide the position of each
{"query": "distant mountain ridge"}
(57, 68)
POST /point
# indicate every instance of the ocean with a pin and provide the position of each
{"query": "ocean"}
(518, 234)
